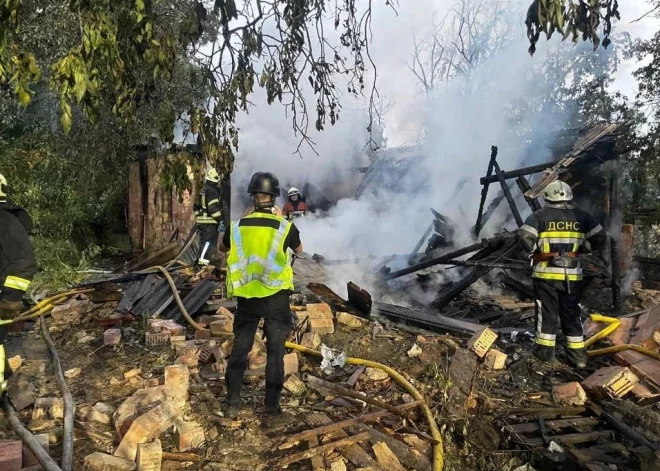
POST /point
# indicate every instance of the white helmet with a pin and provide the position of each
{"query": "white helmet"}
(558, 192)
(212, 175)
(293, 191)
(3, 188)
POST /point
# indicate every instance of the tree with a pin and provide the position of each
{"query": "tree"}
(118, 54)
(571, 18)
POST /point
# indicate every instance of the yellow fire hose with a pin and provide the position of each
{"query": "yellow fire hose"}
(614, 324)
(438, 452)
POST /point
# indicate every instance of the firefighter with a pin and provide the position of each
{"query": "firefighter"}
(209, 217)
(556, 234)
(17, 267)
(260, 277)
(295, 206)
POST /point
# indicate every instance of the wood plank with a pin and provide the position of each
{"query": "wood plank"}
(386, 458)
(544, 411)
(568, 439)
(317, 461)
(353, 453)
(332, 426)
(362, 437)
(409, 457)
(530, 427)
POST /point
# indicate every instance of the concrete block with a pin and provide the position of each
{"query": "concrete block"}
(495, 360)
(569, 394)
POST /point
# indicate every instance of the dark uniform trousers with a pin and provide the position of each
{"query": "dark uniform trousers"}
(278, 323)
(556, 302)
(209, 234)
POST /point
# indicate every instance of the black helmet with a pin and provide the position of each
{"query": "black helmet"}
(264, 182)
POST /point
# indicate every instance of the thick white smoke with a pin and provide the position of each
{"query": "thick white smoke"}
(460, 120)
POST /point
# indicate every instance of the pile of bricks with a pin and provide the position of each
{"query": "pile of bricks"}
(481, 343)
(160, 331)
(142, 418)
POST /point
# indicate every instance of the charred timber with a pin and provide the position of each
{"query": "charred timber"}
(507, 193)
(517, 173)
(484, 191)
(524, 186)
(447, 295)
(492, 242)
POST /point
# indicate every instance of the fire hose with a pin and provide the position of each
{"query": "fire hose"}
(438, 453)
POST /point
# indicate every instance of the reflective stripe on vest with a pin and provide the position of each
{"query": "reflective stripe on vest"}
(543, 271)
(17, 283)
(264, 271)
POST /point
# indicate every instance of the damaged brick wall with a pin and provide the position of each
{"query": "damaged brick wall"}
(152, 225)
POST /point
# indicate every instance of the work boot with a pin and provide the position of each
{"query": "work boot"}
(272, 400)
(231, 411)
(577, 357)
(543, 353)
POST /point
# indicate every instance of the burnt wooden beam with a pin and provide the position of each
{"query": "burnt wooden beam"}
(484, 190)
(517, 173)
(390, 275)
(524, 186)
(507, 194)
(492, 206)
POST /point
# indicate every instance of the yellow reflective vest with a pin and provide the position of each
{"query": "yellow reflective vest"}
(258, 265)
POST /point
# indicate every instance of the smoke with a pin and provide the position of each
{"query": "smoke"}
(501, 101)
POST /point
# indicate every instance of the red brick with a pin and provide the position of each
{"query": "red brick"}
(177, 378)
(188, 435)
(629, 357)
(147, 427)
(224, 325)
(311, 340)
(319, 311)
(494, 359)
(166, 325)
(28, 458)
(481, 341)
(621, 335)
(188, 360)
(649, 368)
(149, 456)
(203, 334)
(570, 394)
(611, 382)
(321, 326)
(154, 339)
(11, 455)
(645, 395)
(48, 407)
(291, 364)
(112, 337)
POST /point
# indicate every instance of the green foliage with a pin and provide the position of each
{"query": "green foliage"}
(60, 263)
(571, 18)
(175, 174)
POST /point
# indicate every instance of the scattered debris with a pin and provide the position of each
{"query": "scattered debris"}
(414, 351)
(569, 394)
(495, 360)
(611, 382)
(482, 341)
(72, 373)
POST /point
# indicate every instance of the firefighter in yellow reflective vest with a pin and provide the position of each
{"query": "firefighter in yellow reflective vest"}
(209, 217)
(17, 267)
(555, 234)
(260, 277)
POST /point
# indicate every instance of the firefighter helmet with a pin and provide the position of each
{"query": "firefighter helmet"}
(293, 191)
(212, 175)
(264, 182)
(3, 188)
(558, 192)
